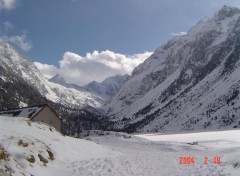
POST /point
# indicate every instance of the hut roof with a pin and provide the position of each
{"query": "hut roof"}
(29, 112)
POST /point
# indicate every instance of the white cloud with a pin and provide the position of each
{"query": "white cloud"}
(48, 70)
(19, 40)
(94, 66)
(178, 33)
(7, 4)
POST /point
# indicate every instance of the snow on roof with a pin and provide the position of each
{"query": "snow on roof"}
(29, 112)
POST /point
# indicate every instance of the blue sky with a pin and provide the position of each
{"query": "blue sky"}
(46, 30)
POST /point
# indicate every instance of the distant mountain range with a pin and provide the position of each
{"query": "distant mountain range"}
(105, 89)
(190, 83)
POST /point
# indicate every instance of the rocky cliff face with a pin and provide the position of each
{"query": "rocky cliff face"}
(190, 83)
(15, 88)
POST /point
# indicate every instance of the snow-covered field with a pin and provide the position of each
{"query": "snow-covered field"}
(114, 154)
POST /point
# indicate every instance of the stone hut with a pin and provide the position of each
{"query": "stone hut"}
(41, 113)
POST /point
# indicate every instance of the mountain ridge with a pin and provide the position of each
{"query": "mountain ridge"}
(105, 89)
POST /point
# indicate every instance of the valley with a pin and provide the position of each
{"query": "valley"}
(176, 114)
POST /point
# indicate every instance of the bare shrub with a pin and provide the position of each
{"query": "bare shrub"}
(4, 155)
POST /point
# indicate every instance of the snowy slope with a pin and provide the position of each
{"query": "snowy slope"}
(113, 153)
(192, 82)
(22, 139)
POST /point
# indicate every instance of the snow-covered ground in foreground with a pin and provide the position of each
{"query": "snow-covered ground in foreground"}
(115, 154)
(37, 139)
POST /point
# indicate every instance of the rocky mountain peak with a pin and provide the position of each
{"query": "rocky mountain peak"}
(57, 79)
(226, 11)
(108, 87)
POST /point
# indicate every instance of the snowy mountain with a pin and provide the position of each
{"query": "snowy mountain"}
(59, 80)
(192, 82)
(105, 89)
